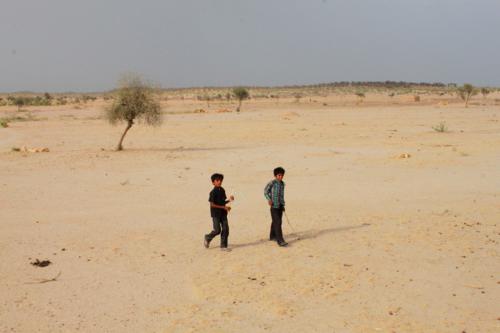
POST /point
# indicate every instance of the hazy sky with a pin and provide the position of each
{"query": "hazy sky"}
(70, 45)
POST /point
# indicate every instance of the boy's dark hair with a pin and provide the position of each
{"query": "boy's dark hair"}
(217, 176)
(278, 171)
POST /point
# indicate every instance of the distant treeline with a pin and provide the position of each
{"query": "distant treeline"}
(374, 84)
(338, 84)
(45, 99)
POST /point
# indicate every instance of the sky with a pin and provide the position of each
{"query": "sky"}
(86, 46)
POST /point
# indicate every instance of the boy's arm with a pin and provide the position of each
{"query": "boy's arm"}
(212, 205)
(267, 193)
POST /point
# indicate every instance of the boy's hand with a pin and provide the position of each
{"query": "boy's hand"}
(270, 202)
(231, 198)
(228, 208)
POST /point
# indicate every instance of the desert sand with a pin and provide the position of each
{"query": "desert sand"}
(396, 227)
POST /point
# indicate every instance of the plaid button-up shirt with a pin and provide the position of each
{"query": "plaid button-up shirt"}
(275, 191)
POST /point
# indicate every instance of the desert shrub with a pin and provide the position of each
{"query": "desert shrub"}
(240, 93)
(416, 98)
(297, 96)
(4, 123)
(207, 98)
(38, 100)
(19, 102)
(86, 98)
(441, 127)
(16, 118)
(485, 92)
(61, 101)
(135, 99)
(466, 92)
(361, 96)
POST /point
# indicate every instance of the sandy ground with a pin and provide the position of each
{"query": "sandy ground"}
(381, 243)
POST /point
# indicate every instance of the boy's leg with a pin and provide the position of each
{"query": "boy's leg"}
(216, 229)
(272, 235)
(225, 232)
(277, 214)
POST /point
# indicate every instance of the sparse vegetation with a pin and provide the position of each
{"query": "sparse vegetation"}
(297, 96)
(27, 117)
(441, 127)
(62, 101)
(86, 98)
(19, 102)
(361, 96)
(485, 92)
(240, 93)
(416, 98)
(4, 123)
(466, 92)
(134, 100)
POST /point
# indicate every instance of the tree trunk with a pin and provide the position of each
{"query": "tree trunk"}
(239, 106)
(467, 100)
(129, 124)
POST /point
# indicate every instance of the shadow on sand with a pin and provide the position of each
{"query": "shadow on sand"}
(303, 235)
(313, 233)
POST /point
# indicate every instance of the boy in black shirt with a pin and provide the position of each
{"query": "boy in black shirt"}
(218, 211)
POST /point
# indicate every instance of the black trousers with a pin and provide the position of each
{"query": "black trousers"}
(276, 232)
(221, 226)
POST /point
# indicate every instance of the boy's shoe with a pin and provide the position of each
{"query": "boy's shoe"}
(206, 242)
(225, 249)
(283, 244)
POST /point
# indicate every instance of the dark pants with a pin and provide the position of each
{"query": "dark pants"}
(276, 232)
(221, 226)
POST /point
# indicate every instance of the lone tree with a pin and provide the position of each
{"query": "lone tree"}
(466, 92)
(485, 92)
(135, 100)
(19, 102)
(361, 96)
(240, 93)
(297, 96)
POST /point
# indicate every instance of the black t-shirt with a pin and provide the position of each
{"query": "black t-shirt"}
(218, 197)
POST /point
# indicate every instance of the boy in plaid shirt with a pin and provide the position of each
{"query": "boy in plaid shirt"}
(275, 195)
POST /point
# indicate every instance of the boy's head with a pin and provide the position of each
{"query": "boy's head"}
(279, 172)
(217, 179)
